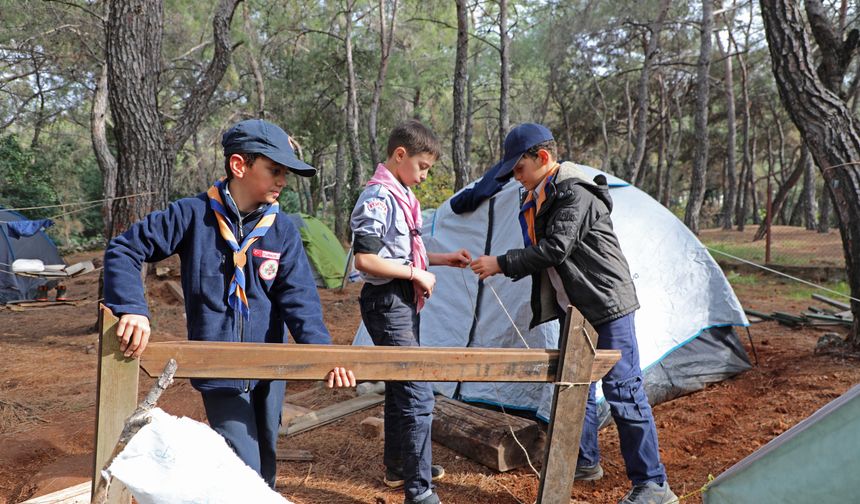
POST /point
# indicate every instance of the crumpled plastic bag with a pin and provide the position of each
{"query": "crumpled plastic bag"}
(175, 460)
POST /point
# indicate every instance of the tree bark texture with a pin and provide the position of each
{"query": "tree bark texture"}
(730, 194)
(808, 190)
(458, 137)
(104, 157)
(505, 74)
(652, 47)
(147, 150)
(386, 39)
(781, 196)
(700, 160)
(357, 177)
(826, 125)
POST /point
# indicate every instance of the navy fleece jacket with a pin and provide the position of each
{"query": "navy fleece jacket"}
(286, 294)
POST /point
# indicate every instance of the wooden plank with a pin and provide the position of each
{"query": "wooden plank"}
(116, 399)
(832, 302)
(198, 359)
(78, 494)
(486, 436)
(330, 414)
(576, 344)
(294, 455)
(289, 411)
(175, 289)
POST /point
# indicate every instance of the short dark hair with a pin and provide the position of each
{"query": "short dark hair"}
(249, 158)
(415, 137)
(549, 146)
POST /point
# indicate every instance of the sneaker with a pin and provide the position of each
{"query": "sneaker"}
(42, 293)
(61, 293)
(588, 473)
(430, 499)
(394, 479)
(650, 493)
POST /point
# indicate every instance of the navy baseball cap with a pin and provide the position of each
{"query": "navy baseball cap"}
(256, 136)
(519, 140)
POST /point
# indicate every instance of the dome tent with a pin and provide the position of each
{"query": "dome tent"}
(38, 246)
(684, 325)
(323, 249)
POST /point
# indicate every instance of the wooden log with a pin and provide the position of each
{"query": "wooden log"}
(832, 302)
(294, 455)
(372, 428)
(199, 359)
(116, 399)
(330, 414)
(176, 289)
(577, 346)
(289, 411)
(486, 436)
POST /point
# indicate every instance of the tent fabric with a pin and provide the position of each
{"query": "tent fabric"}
(324, 251)
(37, 246)
(814, 461)
(684, 297)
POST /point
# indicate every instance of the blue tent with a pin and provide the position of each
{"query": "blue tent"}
(15, 287)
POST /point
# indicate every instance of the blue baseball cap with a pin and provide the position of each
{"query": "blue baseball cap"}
(519, 140)
(256, 136)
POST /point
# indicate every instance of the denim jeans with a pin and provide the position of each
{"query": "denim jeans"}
(249, 423)
(624, 391)
(388, 312)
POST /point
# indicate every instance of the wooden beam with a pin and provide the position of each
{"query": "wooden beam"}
(497, 440)
(116, 399)
(329, 414)
(577, 346)
(78, 494)
(198, 359)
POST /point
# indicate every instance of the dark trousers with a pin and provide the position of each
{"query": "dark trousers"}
(625, 393)
(388, 312)
(249, 422)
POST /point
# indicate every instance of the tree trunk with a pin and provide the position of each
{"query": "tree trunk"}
(808, 197)
(826, 125)
(341, 208)
(357, 176)
(386, 38)
(730, 195)
(259, 83)
(104, 157)
(458, 140)
(700, 161)
(782, 193)
(824, 204)
(147, 151)
(651, 49)
(505, 74)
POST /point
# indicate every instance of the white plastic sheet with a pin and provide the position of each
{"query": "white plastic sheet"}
(181, 461)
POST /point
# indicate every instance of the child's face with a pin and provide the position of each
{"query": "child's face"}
(529, 171)
(263, 181)
(411, 170)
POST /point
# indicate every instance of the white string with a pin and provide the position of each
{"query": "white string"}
(79, 202)
(811, 284)
(508, 314)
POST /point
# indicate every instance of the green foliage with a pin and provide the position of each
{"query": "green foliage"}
(436, 189)
(25, 181)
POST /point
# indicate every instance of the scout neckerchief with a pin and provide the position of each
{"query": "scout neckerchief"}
(236, 296)
(532, 205)
(411, 208)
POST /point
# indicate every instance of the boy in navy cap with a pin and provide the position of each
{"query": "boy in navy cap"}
(573, 257)
(244, 274)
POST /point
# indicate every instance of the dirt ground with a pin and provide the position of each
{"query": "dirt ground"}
(47, 408)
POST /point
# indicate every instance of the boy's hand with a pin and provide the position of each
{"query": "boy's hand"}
(133, 333)
(340, 377)
(424, 281)
(486, 266)
(458, 259)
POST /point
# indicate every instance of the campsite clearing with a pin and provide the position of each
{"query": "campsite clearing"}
(47, 404)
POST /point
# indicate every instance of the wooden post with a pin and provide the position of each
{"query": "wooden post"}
(116, 399)
(576, 356)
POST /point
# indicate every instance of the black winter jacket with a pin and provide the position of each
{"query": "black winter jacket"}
(574, 234)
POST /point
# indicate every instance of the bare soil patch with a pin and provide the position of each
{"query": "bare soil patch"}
(47, 408)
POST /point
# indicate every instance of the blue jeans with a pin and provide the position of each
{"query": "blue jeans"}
(388, 312)
(625, 394)
(249, 423)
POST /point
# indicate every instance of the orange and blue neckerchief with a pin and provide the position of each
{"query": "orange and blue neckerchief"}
(531, 206)
(236, 297)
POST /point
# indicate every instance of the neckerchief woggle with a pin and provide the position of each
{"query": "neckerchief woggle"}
(532, 205)
(236, 296)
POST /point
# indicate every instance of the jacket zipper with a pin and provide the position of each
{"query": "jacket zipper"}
(239, 320)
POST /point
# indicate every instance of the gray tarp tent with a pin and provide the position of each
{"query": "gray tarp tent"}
(16, 287)
(684, 326)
